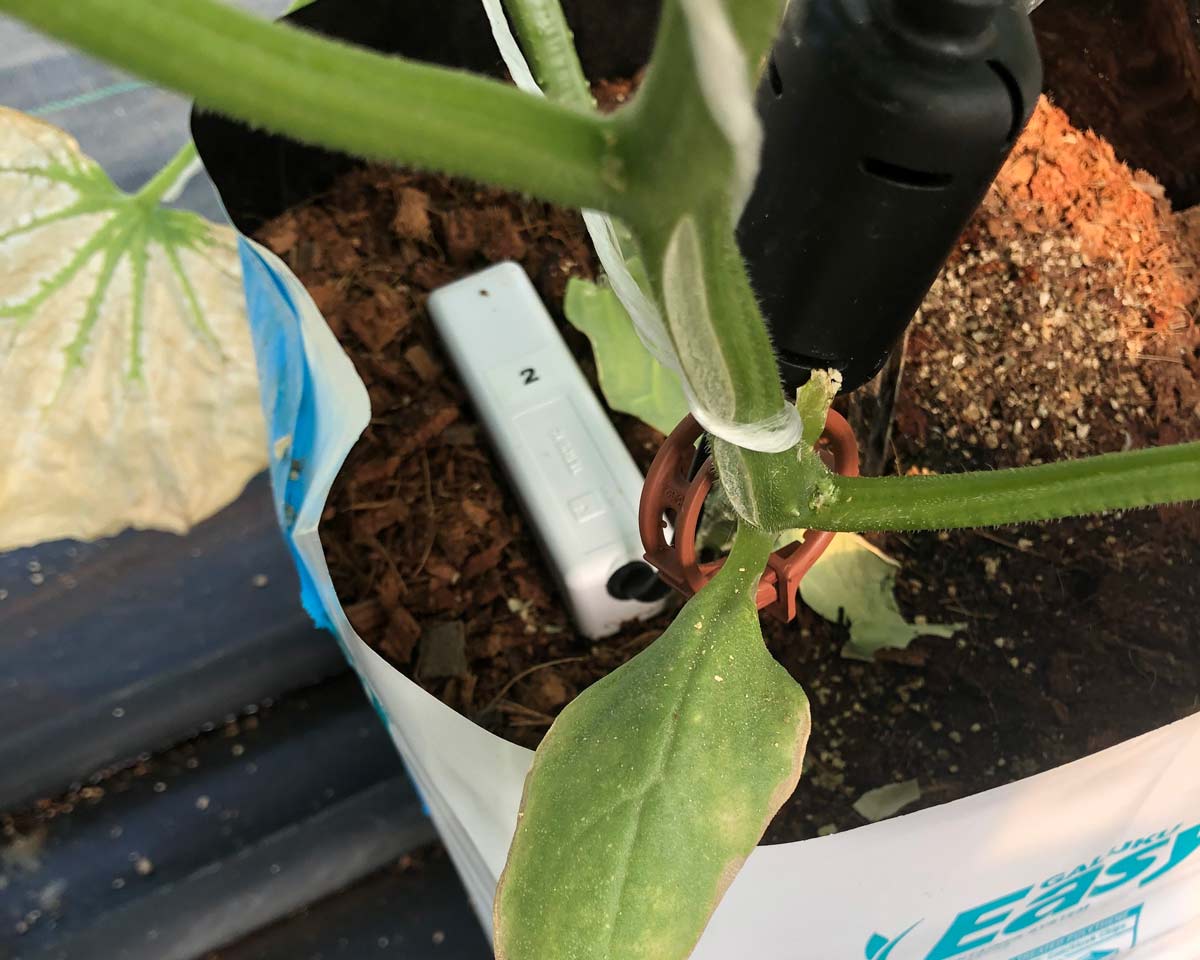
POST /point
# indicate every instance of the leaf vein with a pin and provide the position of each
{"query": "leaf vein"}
(657, 779)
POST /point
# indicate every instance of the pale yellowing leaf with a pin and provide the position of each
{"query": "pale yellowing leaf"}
(887, 801)
(856, 581)
(127, 374)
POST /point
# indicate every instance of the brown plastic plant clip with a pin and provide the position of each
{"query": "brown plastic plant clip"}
(670, 497)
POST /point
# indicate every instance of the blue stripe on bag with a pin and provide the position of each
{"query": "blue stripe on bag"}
(287, 402)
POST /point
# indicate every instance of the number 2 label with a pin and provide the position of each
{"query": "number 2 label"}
(529, 375)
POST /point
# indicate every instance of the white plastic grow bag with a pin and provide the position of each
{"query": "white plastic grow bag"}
(1093, 860)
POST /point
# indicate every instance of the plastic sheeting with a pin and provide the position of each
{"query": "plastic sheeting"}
(129, 127)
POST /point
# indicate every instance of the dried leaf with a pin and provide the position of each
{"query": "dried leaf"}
(886, 801)
(858, 581)
(129, 383)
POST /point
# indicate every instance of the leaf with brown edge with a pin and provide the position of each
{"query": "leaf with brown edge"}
(653, 787)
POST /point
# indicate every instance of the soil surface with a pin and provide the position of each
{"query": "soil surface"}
(1063, 326)
(1132, 71)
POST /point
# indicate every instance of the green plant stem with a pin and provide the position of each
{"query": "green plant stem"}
(1115, 481)
(669, 136)
(549, 45)
(751, 549)
(347, 98)
(671, 116)
(158, 186)
(663, 133)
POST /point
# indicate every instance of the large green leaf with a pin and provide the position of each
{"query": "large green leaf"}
(855, 580)
(653, 787)
(631, 379)
(127, 375)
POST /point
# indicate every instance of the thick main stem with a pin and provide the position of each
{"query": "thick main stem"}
(727, 351)
(720, 335)
(347, 98)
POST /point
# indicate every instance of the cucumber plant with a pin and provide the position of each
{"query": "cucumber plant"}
(655, 784)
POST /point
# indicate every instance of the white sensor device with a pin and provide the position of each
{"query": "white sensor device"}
(577, 483)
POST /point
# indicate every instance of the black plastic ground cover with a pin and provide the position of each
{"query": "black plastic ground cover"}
(131, 644)
(213, 840)
(418, 914)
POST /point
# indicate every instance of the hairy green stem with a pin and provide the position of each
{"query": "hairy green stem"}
(549, 45)
(741, 338)
(750, 551)
(670, 115)
(160, 184)
(731, 367)
(664, 166)
(347, 98)
(1115, 481)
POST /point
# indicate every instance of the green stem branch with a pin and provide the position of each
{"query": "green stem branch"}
(160, 184)
(549, 45)
(749, 554)
(673, 115)
(1116, 481)
(347, 98)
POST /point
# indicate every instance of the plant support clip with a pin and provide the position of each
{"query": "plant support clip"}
(671, 496)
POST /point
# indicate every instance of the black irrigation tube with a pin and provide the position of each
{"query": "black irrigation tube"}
(217, 839)
(128, 645)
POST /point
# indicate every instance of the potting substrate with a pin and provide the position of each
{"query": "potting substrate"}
(1064, 325)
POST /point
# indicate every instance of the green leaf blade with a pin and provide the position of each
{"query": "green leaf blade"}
(654, 786)
(631, 379)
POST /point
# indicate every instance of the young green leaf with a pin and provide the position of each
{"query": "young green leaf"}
(631, 379)
(653, 787)
(129, 383)
(855, 579)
